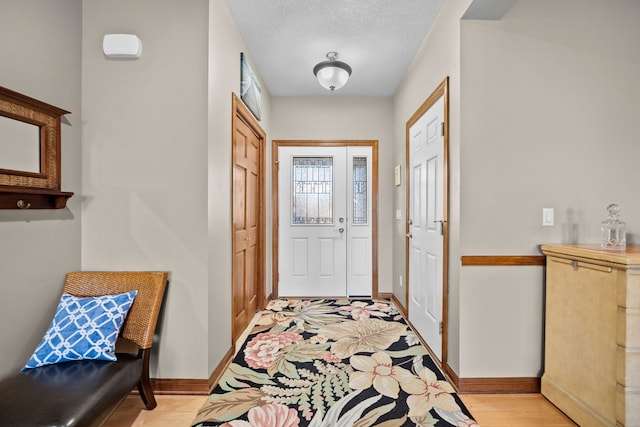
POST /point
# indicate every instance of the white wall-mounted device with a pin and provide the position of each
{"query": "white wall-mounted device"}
(124, 46)
(547, 217)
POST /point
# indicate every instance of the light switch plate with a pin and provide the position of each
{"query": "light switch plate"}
(547, 217)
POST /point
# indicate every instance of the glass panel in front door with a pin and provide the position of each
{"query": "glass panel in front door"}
(312, 190)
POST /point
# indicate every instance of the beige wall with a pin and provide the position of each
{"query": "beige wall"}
(225, 45)
(144, 164)
(555, 105)
(40, 47)
(157, 166)
(541, 105)
(549, 119)
(437, 58)
(335, 117)
(154, 132)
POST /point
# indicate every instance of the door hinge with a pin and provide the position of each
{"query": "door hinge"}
(442, 129)
(440, 328)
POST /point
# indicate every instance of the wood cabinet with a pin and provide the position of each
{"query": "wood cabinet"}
(592, 334)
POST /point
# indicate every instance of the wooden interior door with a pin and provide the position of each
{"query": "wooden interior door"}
(248, 219)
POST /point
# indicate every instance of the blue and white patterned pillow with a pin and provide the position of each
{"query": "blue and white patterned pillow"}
(83, 328)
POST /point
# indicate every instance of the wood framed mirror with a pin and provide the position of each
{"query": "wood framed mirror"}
(30, 153)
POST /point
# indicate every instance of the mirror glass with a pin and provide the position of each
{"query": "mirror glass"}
(19, 145)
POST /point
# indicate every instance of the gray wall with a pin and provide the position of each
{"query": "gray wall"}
(225, 45)
(437, 58)
(40, 51)
(157, 175)
(145, 163)
(543, 104)
(543, 107)
(550, 99)
(155, 156)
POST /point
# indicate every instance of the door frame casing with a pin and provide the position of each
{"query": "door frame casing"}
(240, 112)
(276, 144)
(441, 91)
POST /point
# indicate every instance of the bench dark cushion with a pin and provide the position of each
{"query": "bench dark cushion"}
(79, 393)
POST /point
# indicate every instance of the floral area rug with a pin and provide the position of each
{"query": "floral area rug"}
(332, 363)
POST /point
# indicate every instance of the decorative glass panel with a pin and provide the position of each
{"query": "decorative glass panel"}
(312, 190)
(360, 214)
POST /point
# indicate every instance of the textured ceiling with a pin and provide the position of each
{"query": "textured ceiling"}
(377, 38)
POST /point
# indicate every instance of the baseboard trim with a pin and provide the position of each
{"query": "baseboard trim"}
(399, 305)
(452, 377)
(182, 386)
(267, 300)
(498, 385)
(190, 386)
(222, 366)
(185, 386)
(477, 385)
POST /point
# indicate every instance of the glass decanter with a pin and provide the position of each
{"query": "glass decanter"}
(613, 230)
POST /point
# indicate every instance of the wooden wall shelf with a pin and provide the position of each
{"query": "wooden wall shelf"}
(30, 166)
(32, 198)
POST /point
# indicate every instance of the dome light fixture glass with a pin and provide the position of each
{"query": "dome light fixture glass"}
(332, 74)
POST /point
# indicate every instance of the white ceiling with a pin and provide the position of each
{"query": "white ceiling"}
(377, 38)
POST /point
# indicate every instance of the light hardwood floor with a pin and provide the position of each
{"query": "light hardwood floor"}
(172, 411)
(514, 410)
(489, 410)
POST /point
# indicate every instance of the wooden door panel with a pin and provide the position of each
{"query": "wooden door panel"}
(251, 283)
(238, 291)
(240, 190)
(248, 223)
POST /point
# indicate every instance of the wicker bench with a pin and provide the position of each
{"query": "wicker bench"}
(86, 392)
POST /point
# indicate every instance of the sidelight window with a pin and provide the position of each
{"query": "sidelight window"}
(360, 214)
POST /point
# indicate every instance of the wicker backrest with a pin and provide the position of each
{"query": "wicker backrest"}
(140, 324)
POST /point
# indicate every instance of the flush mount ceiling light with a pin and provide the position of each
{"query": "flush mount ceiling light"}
(332, 74)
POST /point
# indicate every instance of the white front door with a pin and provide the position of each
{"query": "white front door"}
(325, 230)
(426, 214)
